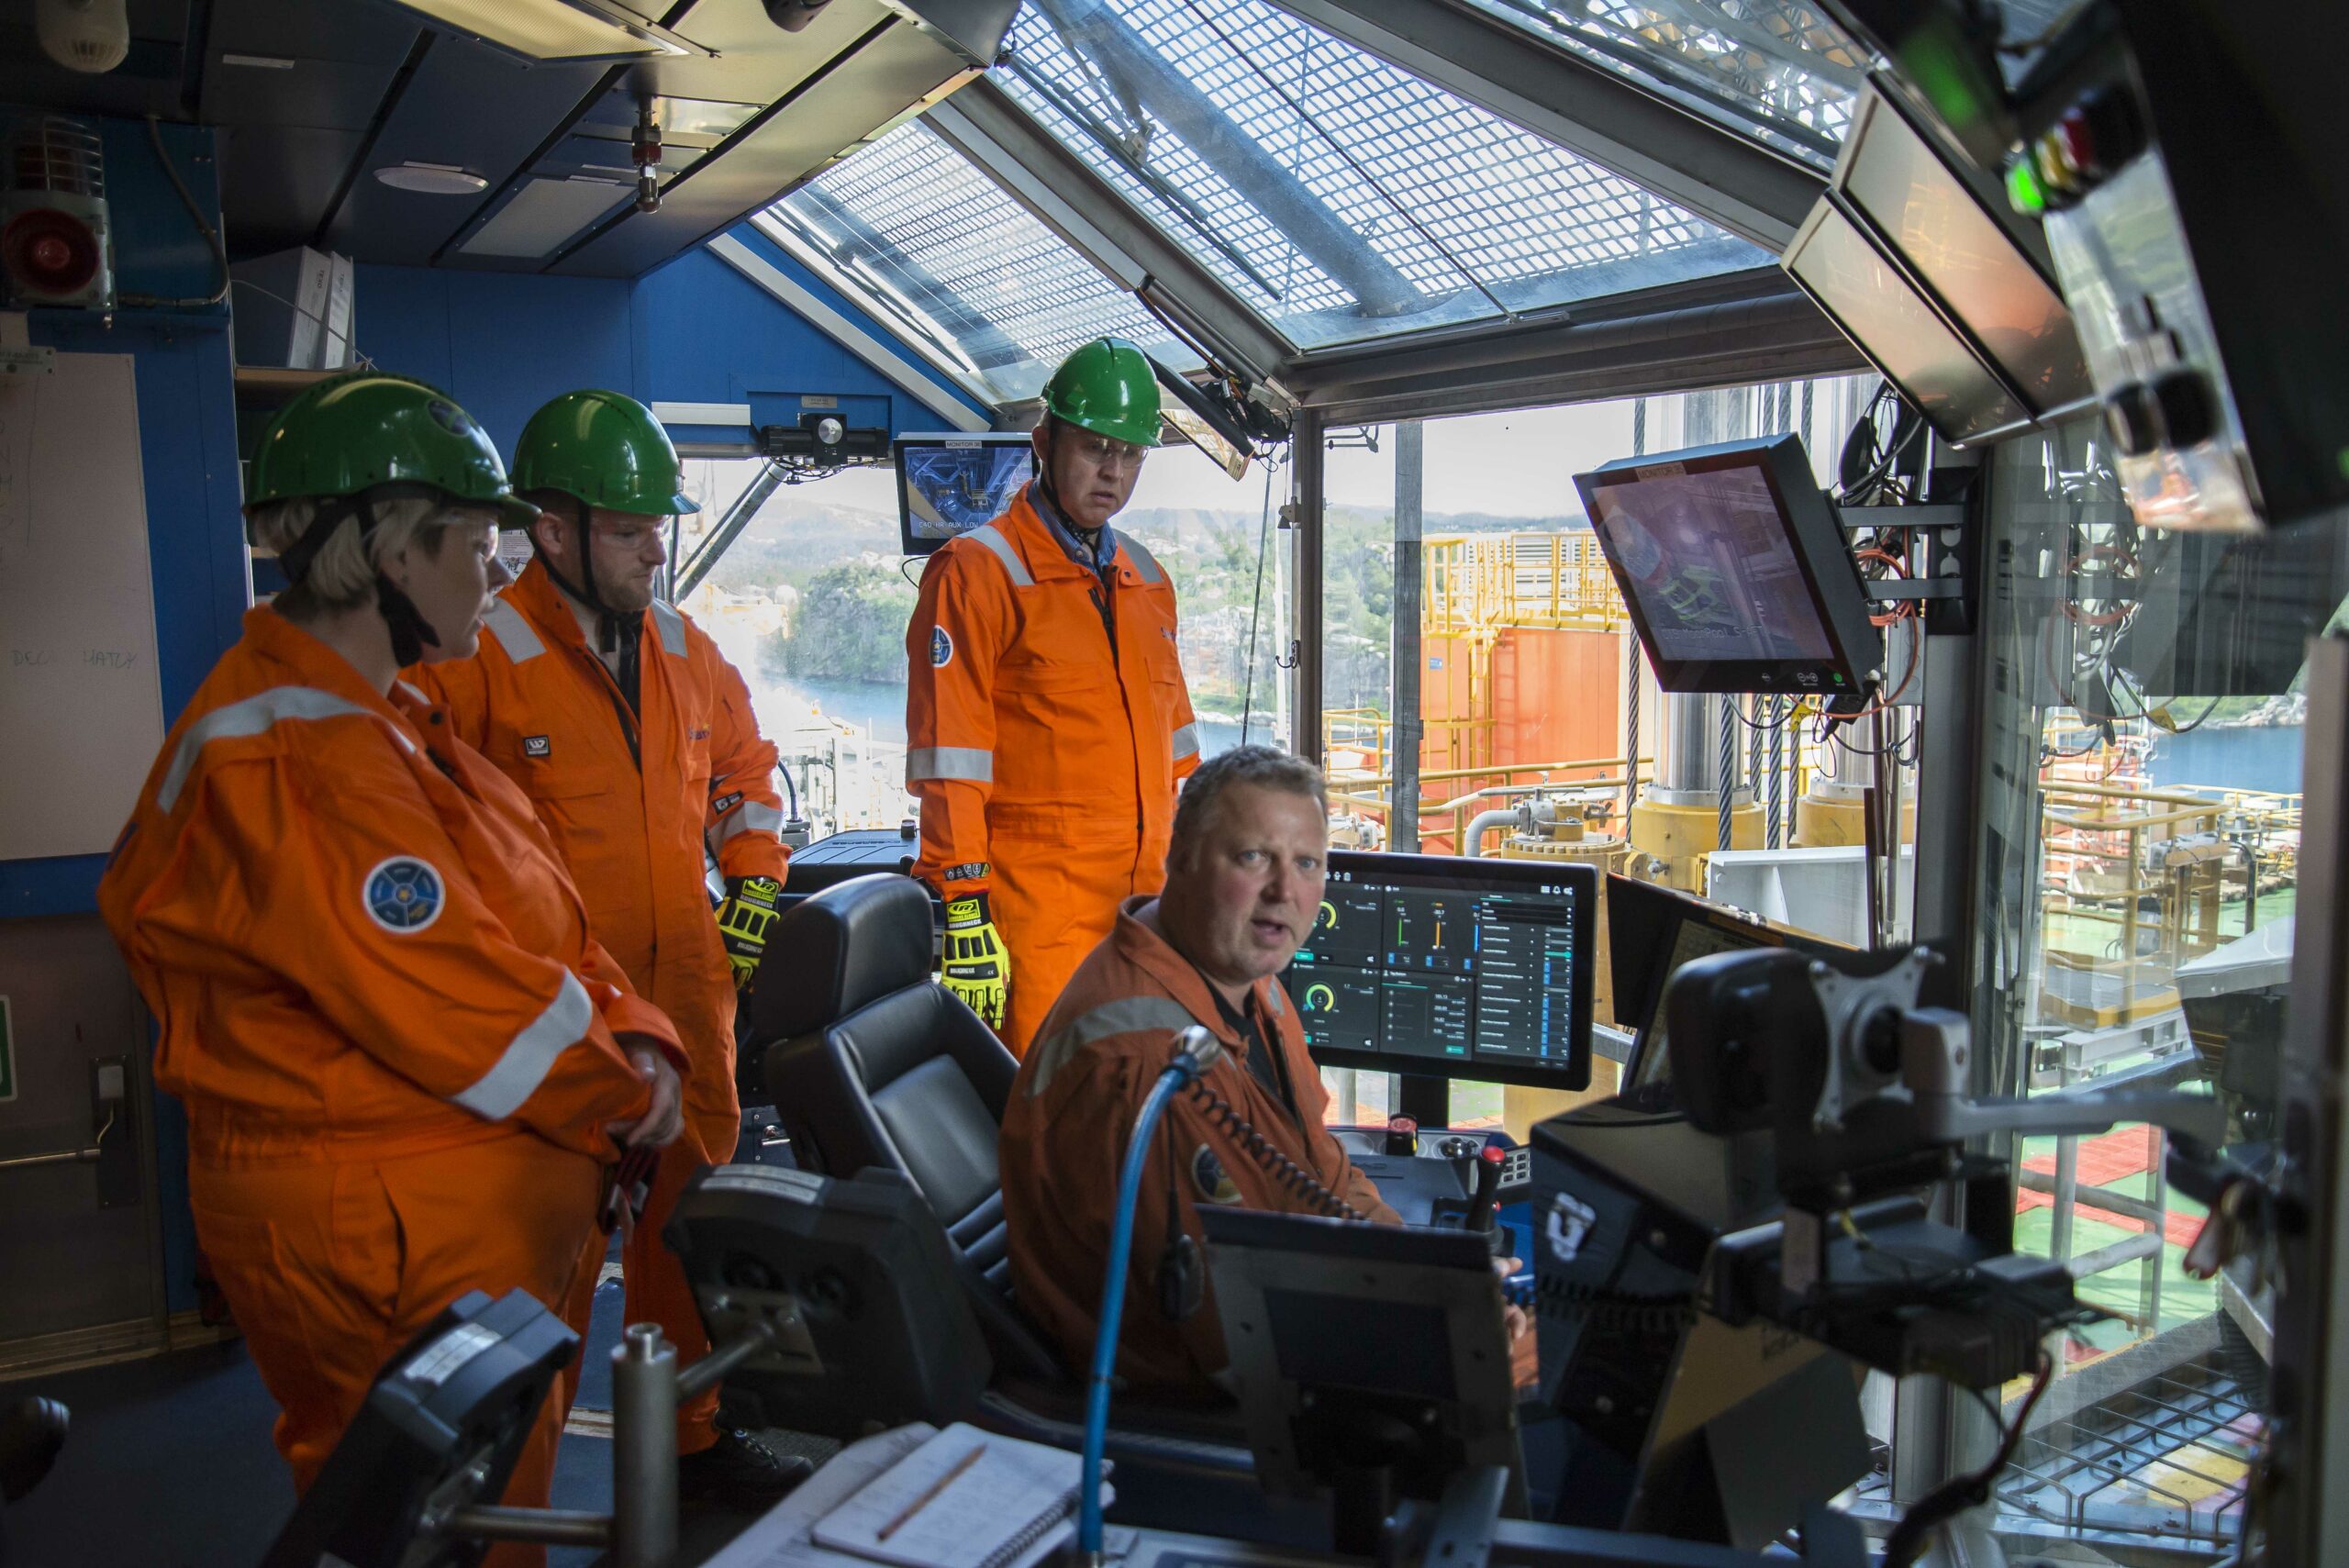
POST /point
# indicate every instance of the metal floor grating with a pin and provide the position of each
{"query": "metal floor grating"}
(2160, 1467)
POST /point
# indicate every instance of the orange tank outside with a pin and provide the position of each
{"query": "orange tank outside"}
(1540, 696)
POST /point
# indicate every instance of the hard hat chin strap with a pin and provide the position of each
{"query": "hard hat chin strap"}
(411, 633)
(610, 625)
(1089, 538)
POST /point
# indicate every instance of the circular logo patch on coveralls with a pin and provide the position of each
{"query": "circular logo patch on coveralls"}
(941, 648)
(1208, 1175)
(403, 894)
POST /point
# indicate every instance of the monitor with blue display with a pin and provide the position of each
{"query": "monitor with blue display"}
(949, 483)
(1452, 967)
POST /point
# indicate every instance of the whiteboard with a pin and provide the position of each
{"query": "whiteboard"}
(80, 702)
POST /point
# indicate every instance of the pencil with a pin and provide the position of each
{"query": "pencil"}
(930, 1495)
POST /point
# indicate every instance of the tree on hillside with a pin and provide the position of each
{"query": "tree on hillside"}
(850, 625)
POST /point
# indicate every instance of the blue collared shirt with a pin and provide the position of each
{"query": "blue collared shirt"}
(1105, 552)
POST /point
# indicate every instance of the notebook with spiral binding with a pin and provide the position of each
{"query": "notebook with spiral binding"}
(964, 1499)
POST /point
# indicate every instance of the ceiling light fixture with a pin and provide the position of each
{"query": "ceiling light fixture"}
(554, 29)
(88, 35)
(432, 179)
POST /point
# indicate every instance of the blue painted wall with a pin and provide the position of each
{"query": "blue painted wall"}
(499, 343)
(694, 331)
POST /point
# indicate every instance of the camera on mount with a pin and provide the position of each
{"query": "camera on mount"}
(823, 440)
(1857, 1067)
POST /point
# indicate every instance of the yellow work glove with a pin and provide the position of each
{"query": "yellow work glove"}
(742, 922)
(976, 966)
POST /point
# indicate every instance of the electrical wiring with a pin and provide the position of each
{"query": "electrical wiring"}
(204, 225)
(1907, 1542)
(1870, 452)
(1900, 567)
(1916, 660)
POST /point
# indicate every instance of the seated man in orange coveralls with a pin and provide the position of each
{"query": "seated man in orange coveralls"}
(1245, 876)
(406, 1062)
(1243, 882)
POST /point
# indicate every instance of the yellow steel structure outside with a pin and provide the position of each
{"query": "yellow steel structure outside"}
(1473, 582)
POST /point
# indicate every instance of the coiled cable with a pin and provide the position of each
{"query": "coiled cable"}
(1295, 1179)
(1573, 1301)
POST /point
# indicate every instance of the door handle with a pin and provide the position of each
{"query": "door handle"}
(108, 1082)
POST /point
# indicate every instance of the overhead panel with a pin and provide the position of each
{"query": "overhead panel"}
(857, 70)
(466, 105)
(924, 241)
(295, 98)
(1341, 198)
(542, 214)
(890, 72)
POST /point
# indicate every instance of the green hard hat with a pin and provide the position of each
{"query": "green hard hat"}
(353, 432)
(1106, 386)
(606, 449)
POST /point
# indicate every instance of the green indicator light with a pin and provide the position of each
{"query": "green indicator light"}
(2342, 457)
(2022, 188)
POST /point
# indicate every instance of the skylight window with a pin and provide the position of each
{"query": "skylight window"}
(923, 241)
(1779, 70)
(1339, 197)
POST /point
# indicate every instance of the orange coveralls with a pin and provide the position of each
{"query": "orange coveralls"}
(381, 1004)
(1072, 1115)
(1047, 727)
(631, 801)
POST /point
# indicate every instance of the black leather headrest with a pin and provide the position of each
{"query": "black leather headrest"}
(853, 942)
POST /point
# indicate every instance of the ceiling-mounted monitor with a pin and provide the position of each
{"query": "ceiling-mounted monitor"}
(1735, 570)
(1887, 319)
(949, 483)
(1906, 254)
(1942, 225)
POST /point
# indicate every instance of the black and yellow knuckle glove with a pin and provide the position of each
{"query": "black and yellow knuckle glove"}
(975, 966)
(742, 923)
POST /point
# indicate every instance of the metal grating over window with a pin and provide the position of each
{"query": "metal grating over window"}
(2163, 1466)
(923, 240)
(1779, 70)
(1340, 197)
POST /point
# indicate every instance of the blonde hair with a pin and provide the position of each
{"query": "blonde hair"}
(1262, 766)
(342, 575)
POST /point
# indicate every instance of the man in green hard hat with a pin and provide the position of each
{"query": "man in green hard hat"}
(1047, 723)
(634, 739)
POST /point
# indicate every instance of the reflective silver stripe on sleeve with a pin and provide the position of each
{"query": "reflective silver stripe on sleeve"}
(950, 763)
(1144, 562)
(513, 633)
(257, 715)
(1276, 996)
(523, 1065)
(673, 628)
(1186, 741)
(1124, 1016)
(1001, 544)
(751, 817)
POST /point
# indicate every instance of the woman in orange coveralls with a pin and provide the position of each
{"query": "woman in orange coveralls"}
(404, 1058)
